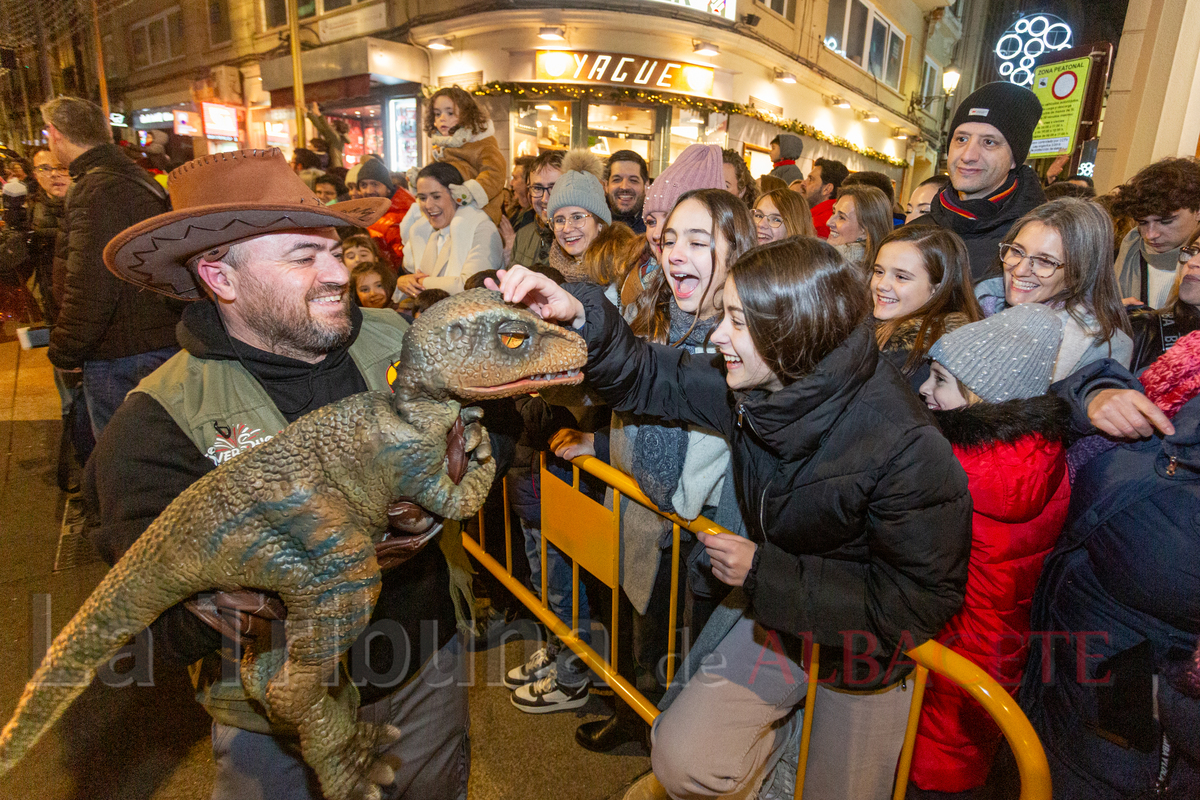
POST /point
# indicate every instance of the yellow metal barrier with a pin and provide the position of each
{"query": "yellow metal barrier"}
(589, 534)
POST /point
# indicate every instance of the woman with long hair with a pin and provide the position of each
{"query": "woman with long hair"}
(780, 214)
(683, 468)
(921, 289)
(862, 217)
(857, 516)
(1061, 254)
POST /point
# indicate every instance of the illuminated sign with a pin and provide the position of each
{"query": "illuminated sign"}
(187, 123)
(155, 118)
(220, 122)
(277, 134)
(1018, 50)
(621, 69)
(117, 120)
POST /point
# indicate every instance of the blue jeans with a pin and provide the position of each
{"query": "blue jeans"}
(571, 671)
(105, 383)
(433, 751)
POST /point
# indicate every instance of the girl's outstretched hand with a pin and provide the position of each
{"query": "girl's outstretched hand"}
(541, 295)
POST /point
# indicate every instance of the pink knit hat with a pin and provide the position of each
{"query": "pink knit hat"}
(698, 167)
(1174, 379)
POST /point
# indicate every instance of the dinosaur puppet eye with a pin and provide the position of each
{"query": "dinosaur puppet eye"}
(513, 335)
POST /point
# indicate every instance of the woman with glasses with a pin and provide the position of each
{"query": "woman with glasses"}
(1060, 254)
(453, 239)
(1154, 332)
(780, 214)
(578, 211)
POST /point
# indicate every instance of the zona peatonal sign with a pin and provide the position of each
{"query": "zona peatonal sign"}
(1061, 87)
(623, 69)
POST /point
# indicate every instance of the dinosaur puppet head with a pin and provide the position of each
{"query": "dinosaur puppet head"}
(475, 346)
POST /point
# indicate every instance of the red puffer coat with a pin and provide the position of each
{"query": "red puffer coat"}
(387, 231)
(1016, 468)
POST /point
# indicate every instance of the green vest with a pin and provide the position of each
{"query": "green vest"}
(225, 411)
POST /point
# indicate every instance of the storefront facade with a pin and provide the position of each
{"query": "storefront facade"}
(656, 83)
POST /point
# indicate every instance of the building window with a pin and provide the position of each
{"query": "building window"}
(112, 59)
(158, 39)
(275, 11)
(856, 31)
(784, 8)
(220, 31)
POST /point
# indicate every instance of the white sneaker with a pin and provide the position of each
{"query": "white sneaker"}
(546, 695)
(537, 667)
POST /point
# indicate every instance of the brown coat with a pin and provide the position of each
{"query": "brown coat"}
(482, 161)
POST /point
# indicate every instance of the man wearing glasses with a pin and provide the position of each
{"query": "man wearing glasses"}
(532, 245)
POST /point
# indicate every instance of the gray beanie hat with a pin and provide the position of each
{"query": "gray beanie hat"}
(1007, 356)
(580, 185)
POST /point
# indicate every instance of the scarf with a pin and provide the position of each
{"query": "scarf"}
(783, 162)
(571, 268)
(980, 210)
(659, 450)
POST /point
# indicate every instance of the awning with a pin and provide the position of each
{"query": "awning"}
(345, 69)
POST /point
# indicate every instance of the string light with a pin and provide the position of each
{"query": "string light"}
(615, 94)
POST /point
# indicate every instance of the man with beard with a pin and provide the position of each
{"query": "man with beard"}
(626, 177)
(272, 334)
(820, 189)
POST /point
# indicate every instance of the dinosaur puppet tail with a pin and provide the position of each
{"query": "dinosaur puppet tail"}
(116, 611)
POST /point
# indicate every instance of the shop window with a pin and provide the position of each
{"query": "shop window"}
(856, 31)
(784, 8)
(402, 147)
(158, 39)
(220, 31)
(691, 127)
(542, 125)
(365, 134)
(612, 128)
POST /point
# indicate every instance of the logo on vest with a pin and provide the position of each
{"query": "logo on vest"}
(233, 441)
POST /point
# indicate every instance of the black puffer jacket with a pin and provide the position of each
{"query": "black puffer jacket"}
(858, 505)
(103, 317)
(1149, 328)
(46, 222)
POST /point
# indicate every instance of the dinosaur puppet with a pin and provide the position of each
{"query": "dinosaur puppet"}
(299, 516)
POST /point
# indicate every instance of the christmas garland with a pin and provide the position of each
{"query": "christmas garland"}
(615, 94)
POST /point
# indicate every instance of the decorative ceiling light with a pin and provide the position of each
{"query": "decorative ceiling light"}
(552, 33)
(440, 43)
(784, 77)
(705, 49)
(544, 107)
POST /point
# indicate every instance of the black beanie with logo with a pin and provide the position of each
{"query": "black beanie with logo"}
(1013, 110)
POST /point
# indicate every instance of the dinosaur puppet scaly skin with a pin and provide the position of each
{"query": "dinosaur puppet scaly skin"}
(300, 514)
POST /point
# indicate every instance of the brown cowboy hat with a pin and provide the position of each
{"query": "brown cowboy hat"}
(259, 194)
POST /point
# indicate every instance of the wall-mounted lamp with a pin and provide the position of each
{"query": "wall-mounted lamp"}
(950, 80)
(751, 19)
(900, 133)
(705, 49)
(870, 116)
(440, 43)
(552, 33)
(839, 102)
(784, 77)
